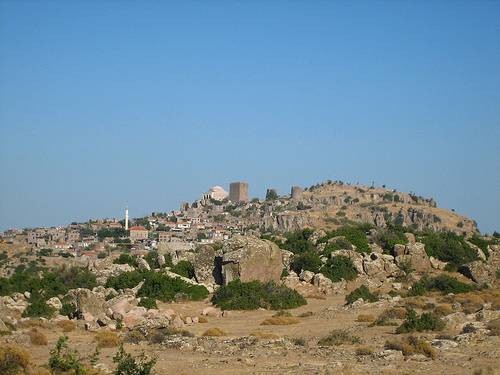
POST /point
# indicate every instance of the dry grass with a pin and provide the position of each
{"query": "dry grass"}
(443, 309)
(364, 350)
(264, 335)
(107, 339)
(416, 303)
(66, 325)
(315, 296)
(339, 337)
(494, 327)
(412, 345)
(214, 332)
(487, 371)
(13, 359)
(37, 337)
(280, 321)
(40, 371)
(282, 313)
(365, 318)
(33, 323)
(394, 313)
(306, 314)
(202, 319)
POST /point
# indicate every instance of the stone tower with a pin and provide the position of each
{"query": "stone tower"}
(296, 192)
(238, 192)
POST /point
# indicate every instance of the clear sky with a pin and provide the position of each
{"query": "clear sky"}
(105, 104)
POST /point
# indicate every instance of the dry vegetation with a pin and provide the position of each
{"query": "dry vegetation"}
(280, 321)
(37, 337)
(214, 332)
(66, 325)
(412, 345)
(107, 339)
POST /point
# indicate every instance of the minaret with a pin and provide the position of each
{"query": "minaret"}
(126, 218)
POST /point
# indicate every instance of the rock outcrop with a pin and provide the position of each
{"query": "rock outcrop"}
(249, 258)
(413, 254)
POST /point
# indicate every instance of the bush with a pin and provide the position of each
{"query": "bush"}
(338, 244)
(13, 359)
(107, 339)
(338, 268)
(254, 294)
(494, 327)
(412, 345)
(483, 243)
(442, 283)
(126, 259)
(449, 247)
(66, 325)
(214, 332)
(63, 359)
(307, 261)
(364, 351)
(164, 288)
(355, 234)
(148, 303)
(391, 235)
(128, 365)
(184, 268)
(339, 337)
(125, 280)
(37, 337)
(298, 241)
(68, 309)
(280, 321)
(361, 292)
(38, 308)
(365, 318)
(426, 322)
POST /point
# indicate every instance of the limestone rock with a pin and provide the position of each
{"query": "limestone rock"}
(306, 276)
(207, 265)
(479, 271)
(250, 258)
(55, 303)
(88, 302)
(211, 311)
(416, 256)
(354, 256)
(143, 265)
(316, 235)
(437, 264)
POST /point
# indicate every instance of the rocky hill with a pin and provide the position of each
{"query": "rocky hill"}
(333, 204)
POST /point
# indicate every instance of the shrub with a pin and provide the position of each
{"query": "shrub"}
(128, 365)
(66, 325)
(361, 292)
(264, 335)
(307, 261)
(134, 337)
(13, 359)
(391, 235)
(338, 244)
(443, 310)
(364, 350)
(442, 283)
(482, 243)
(306, 314)
(494, 327)
(107, 339)
(38, 307)
(252, 295)
(412, 345)
(125, 280)
(148, 303)
(202, 319)
(365, 318)
(339, 337)
(184, 268)
(126, 259)
(214, 332)
(37, 337)
(298, 241)
(280, 321)
(64, 359)
(355, 234)
(164, 288)
(426, 322)
(68, 309)
(449, 247)
(338, 268)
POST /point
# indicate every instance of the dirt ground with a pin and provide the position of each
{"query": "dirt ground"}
(237, 353)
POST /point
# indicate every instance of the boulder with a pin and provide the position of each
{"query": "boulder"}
(161, 260)
(415, 255)
(88, 302)
(398, 250)
(437, 264)
(354, 256)
(211, 311)
(325, 285)
(287, 258)
(55, 303)
(306, 276)
(105, 268)
(410, 237)
(250, 258)
(316, 235)
(479, 272)
(143, 264)
(207, 265)
(135, 316)
(3, 327)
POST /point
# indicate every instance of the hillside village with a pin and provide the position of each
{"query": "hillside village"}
(332, 278)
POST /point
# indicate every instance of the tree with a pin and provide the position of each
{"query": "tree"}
(271, 195)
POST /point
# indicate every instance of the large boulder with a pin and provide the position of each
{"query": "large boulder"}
(354, 256)
(88, 302)
(415, 255)
(105, 268)
(249, 258)
(207, 265)
(479, 271)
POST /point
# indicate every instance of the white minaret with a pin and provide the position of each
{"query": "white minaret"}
(126, 218)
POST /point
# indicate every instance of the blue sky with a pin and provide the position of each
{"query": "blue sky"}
(145, 103)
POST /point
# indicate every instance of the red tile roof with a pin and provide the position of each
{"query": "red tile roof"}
(140, 227)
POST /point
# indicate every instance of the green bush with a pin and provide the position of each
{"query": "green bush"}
(391, 235)
(125, 280)
(148, 303)
(361, 292)
(338, 244)
(128, 365)
(308, 261)
(67, 309)
(355, 234)
(164, 288)
(184, 268)
(252, 295)
(448, 247)
(483, 243)
(38, 308)
(126, 259)
(298, 241)
(338, 268)
(426, 322)
(64, 359)
(442, 283)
